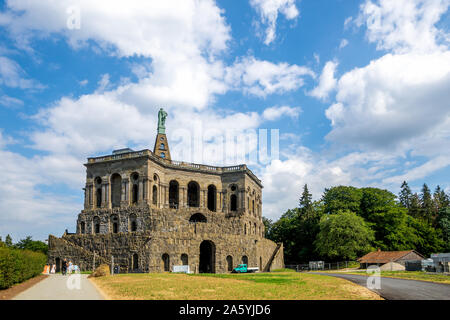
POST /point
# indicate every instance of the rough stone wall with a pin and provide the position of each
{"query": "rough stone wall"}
(166, 231)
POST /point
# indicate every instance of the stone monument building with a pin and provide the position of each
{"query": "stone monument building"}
(144, 212)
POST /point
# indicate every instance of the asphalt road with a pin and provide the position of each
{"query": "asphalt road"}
(59, 287)
(402, 289)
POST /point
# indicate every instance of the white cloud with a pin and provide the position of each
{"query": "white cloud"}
(392, 100)
(327, 81)
(343, 44)
(269, 10)
(284, 179)
(261, 78)
(10, 102)
(12, 75)
(403, 25)
(181, 38)
(275, 113)
(398, 104)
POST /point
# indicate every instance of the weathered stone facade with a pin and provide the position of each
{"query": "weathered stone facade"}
(148, 213)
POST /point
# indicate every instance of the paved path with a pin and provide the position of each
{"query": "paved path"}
(402, 289)
(59, 287)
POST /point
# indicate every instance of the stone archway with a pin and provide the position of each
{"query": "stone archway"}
(207, 257)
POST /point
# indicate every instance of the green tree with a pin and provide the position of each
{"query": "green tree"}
(426, 202)
(405, 195)
(376, 200)
(8, 241)
(305, 203)
(343, 236)
(443, 222)
(268, 224)
(341, 198)
(440, 199)
(415, 209)
(29, 244)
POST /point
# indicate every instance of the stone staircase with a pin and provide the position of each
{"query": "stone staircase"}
(274, 254)
(70, 251)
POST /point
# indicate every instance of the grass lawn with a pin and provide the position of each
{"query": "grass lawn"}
(412, 275)
(258, 286)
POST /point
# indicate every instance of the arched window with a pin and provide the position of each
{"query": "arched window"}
(134, 188)
(173, 194)
(98, 195)
(230, 263)
(184, 259)
(96, 223)
(116, 190)
(166, 262)
(163, 155)
(254, 228)
(193, 194)
(82, 227)
(245, 260)
(155, 195)
(245, 228)
(162, 146)
(212, 197)
(253, 206)
(134, 193)
(198, 217)
(233, 202)
(135, 265)
(114, 223)
(132, 222)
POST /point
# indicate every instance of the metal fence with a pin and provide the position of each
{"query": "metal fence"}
(322, 265)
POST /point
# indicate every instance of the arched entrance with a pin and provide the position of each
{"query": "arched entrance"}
(207, 257)
(173, 194)
(116, 190)
(58, 265)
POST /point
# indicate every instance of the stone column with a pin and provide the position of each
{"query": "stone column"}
(140, 191)
(86, 196)
(124, 196)
(91, 196)
(166, 197)
(182, 197)
(202, 198)
(104, 196)
(218, 208)
(145, 189)
(224, 201)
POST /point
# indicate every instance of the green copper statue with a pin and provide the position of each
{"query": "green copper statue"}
(162, 115)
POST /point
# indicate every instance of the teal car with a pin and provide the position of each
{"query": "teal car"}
(242, 268)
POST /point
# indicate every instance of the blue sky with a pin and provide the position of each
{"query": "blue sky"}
(358, 90)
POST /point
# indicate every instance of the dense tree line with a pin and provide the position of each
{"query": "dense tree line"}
(25, 244)
(348, 222)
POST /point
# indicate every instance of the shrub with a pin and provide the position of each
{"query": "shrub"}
(17, 266)
(101, 271)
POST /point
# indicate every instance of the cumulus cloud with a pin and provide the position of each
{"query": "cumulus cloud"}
(284, 178)
(261, 78)
(269, 11)
(275, 113)
(404, 25)
(392, 100)
(181, 38)
(327, 81)
(398, 104)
